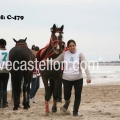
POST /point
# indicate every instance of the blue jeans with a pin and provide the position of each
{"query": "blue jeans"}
(35, 84)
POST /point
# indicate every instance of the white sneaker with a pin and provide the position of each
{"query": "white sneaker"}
(62, 109)
(33, 100)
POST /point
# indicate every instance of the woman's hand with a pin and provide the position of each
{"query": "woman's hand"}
(88, 81)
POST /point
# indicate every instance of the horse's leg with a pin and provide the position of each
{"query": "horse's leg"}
(51, 87)
(55, 95)
(16, 90)
(25, 97)
(47, 96)
(26, 91)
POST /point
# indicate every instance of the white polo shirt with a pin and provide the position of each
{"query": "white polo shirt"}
(4, 56)
(71, 65)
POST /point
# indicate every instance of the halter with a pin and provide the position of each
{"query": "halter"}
(51, 52)
(53, 41)
(21, 44)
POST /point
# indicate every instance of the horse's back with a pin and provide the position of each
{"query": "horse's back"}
(20, 53)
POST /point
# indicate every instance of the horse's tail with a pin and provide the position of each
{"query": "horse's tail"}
(16, 81)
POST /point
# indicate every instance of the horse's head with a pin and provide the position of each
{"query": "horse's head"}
(56, 38)
(21, 42)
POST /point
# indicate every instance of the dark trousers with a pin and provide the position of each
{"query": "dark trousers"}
(3, 88)
(78, 84)
(35, 84)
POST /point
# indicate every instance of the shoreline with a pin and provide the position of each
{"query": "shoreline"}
(84, 84)
(105, 63)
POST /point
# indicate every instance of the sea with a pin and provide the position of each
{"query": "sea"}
(106, 74)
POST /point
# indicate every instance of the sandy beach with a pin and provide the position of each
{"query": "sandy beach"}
(99, 102)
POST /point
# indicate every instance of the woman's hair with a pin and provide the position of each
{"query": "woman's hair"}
(3, 43)
(33, 47)
(63, 42)
(36, 48)
(69, 41)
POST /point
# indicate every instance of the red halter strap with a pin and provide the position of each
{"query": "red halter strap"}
(51, 52)
(53, 41)
(21, 44)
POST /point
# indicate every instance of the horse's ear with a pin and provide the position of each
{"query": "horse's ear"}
(62, 27)
(15, 40)
(54, 26)
(25, 38)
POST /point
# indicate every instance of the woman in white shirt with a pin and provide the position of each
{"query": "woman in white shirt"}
(74, 62)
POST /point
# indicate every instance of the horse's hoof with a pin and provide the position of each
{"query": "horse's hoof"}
(46, 113)
(25, 107)
(54, 109)
(15, 108)
(28, 106)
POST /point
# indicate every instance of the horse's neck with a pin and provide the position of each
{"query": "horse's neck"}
(44, 51)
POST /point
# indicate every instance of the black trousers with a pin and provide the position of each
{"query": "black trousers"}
(3, 88)
(78, 84)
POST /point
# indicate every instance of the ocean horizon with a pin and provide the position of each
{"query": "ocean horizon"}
(99, 75)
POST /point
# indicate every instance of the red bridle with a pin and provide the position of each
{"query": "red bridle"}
(51, 52)
(53, 41)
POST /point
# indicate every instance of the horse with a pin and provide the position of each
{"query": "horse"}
(20, 57)
(51, 77)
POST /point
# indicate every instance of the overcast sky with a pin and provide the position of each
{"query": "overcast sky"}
(93, 24)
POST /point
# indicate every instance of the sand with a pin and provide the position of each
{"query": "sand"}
(99, 102)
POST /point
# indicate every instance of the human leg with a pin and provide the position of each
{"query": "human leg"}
(37, 86)
(67, 94)
(33, 86)
(78, 84)
(1, 92)
(5, 82)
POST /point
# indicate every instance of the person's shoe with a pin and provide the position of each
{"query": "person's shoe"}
(75, 114)
(33, 100)
(62, 109)
(66, 105)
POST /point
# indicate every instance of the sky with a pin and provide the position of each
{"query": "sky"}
(93, 24)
